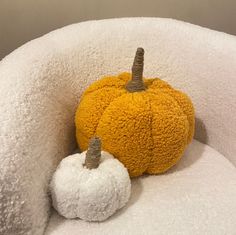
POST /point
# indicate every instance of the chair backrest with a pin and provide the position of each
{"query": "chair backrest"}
(199, 61)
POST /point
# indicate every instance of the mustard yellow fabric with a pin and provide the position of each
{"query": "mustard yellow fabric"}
(147, 131)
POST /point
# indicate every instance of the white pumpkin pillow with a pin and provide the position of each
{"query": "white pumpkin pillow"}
(91, 186)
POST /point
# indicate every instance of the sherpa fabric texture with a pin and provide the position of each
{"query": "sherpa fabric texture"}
(90, 194)
(147, 131)
(196, 197)
(40, 88)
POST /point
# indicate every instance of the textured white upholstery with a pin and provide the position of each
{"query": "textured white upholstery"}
(198, 196)
(41, 82)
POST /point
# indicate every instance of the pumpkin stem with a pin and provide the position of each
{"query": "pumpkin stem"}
(136, 83)
(93, 154)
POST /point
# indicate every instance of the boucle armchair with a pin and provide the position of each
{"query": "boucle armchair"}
(40, 87)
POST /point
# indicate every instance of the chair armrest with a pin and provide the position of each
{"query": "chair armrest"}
(36, 132)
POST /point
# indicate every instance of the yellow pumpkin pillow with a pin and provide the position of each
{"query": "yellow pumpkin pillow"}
(145, 123)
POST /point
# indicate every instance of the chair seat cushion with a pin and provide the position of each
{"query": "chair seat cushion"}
(198, 196)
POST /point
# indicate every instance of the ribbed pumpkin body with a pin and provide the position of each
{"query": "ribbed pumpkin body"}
(147, 131)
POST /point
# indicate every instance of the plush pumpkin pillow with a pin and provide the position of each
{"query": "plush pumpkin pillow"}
(145, 123)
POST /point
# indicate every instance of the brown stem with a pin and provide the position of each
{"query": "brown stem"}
(136, 83)
(93, 154)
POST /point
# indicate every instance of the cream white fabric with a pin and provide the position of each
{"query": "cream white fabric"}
(91, 195)
(196, 197)
(41, 82)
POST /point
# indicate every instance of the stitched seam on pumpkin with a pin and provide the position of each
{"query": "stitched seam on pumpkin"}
(186, 116)
(105, 111)
(165, 91)
(151, 131)
(84, 95)
(150, 110)
(176, 103)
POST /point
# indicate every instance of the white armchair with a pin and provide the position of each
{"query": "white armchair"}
(40, 86)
